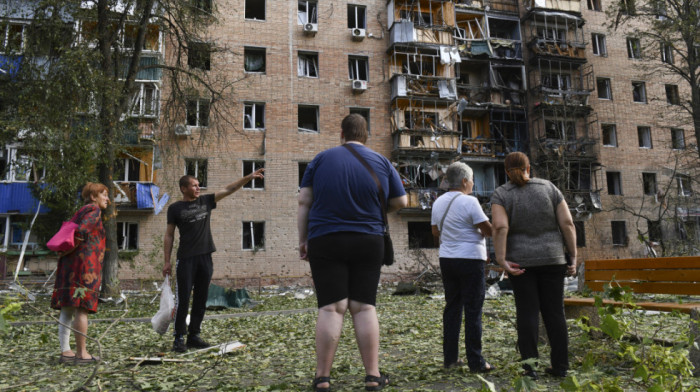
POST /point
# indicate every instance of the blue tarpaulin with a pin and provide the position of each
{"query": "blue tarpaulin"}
(9, 65)
(17, 197)
(147, 197)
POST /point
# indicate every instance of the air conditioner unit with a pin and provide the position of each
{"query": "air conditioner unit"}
(182, 130)
(359, 86)
(358, 34)
(310, 28)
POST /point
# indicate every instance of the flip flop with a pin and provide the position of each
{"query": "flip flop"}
(67, 359)
(86, 361)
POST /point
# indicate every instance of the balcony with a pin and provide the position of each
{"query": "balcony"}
(559, 5)
(422, 86)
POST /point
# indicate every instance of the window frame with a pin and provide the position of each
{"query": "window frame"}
(310, 60)
(202, 178)
(198, 102)
(306, 12)
(580, 228)
(618, 230)
(614, 177)
(300, 171)
(649, 184)
(639, 88)
(264, 11)
(674, 139)
(206, 6)
(672, 95)
(252, 225)
(355, 65)
(655, 232)
(595, 5)
(666, 53)
(426, 231)
(613, 128)
(634, 48)
(353, 15)
(125, 234)
(317, 111)
(139, 102)
(598, 42)
(251, 51)
(6, 38)
(684, 183)
(19, 167)
(607, 89)
(128, 170)
(254, 115)
(249, 166)
(644, 137)
(199, 55)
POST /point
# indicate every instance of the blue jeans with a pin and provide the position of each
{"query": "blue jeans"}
(464, 291)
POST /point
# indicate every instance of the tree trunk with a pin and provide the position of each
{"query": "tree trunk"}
(110, 264)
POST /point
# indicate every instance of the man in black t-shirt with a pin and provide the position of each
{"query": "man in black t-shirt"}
(191, 216)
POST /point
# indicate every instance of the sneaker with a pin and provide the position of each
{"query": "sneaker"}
(179, 344)
(194, 341)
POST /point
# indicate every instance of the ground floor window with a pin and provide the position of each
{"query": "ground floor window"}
(253, 235)
(127, 235)
(420, 235)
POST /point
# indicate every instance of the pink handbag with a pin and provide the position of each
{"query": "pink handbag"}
(64, 239)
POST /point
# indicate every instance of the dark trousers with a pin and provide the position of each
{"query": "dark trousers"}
(192, 272)
(541, 290)
(464, 291)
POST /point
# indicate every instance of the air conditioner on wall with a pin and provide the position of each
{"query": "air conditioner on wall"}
(359, 86)
(358, 34)
(182, 130)
(311, 28)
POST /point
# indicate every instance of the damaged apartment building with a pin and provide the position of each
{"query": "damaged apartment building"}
(439, 81)
(457, 93)
(564, 146)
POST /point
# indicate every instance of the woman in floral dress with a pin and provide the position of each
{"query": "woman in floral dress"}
(79, 274)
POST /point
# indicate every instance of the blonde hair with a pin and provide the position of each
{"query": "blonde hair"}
(516, 165)
(92, 189)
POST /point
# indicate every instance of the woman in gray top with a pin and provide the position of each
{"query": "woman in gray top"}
(532, 224)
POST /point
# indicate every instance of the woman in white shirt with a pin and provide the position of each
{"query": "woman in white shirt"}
(461, 225)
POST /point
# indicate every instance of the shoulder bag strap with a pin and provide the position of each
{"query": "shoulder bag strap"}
(382, 199)
(442, 222)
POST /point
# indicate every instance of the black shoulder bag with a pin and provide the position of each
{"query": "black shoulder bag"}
(388, 245)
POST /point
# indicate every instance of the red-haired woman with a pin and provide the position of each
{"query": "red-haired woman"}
(79, 274)
(532, 225)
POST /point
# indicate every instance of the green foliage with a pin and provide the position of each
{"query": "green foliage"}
(7, 309)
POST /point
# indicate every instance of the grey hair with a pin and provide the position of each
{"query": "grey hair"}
(456, 172)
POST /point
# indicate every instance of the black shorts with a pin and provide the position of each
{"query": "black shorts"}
(346, 265)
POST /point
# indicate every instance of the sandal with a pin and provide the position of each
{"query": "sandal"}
(485, 368)
(86, 361)
(67, 359)
(382, 381)
(321, 380)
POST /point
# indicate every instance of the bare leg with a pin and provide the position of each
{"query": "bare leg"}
(364, 318)
(80, 324)
(328, 328)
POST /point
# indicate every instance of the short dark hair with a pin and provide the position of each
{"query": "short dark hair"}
(185, 180)
(354, 128)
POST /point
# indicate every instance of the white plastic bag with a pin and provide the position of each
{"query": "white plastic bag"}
(162, 319)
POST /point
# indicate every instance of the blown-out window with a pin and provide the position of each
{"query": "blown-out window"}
(253, 235)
